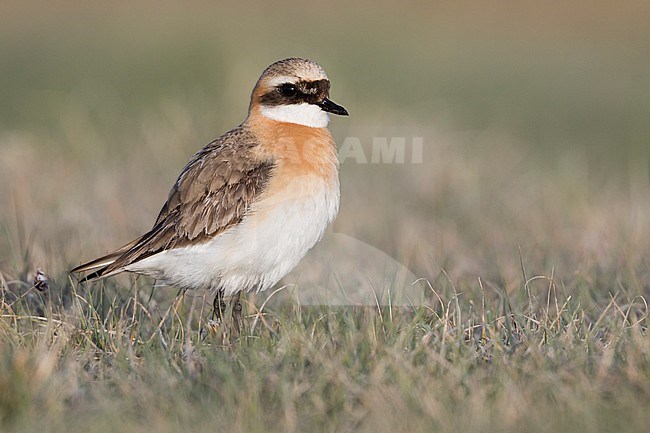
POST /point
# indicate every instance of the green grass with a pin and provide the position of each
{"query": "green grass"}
(472, 362)
(528, 221)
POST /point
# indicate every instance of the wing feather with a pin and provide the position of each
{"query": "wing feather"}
(214, 191)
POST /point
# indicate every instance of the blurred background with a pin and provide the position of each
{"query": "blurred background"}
(534, 118)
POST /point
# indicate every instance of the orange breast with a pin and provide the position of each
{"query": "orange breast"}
(306, 168)
(296, 149)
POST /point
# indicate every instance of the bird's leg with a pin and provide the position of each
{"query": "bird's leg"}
(219, 306)
(213, 325)
(220, 310)
(236, 314)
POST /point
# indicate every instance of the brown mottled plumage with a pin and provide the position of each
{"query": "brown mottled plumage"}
(213, 192)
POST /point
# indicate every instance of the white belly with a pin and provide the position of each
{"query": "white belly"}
(258, 252)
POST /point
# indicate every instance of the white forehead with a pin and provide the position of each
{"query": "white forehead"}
(281, 79)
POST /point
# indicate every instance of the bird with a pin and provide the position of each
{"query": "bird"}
(249, 205)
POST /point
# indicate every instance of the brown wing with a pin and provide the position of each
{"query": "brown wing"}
(104, 261)
(213, 192)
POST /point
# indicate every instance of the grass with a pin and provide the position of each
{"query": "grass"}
(530, 361)
(528, 222)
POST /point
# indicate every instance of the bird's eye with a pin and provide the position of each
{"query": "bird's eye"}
(288, 90)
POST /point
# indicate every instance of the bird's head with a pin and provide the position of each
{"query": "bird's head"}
(294, 91)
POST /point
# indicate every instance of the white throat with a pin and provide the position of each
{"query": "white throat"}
(301, 114)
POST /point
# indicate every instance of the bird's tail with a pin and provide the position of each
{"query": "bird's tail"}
(100, 265)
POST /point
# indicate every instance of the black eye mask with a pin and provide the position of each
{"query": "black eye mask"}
(300, 92)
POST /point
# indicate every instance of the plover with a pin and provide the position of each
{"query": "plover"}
(249, 205)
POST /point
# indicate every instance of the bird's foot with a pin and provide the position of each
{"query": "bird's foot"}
(219, 324)
(237, 319)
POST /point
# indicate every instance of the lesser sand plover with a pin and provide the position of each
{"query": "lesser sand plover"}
(249, 205)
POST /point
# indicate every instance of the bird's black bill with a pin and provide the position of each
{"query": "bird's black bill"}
(333, 108)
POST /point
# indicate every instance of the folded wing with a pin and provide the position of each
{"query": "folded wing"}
(214, 192)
